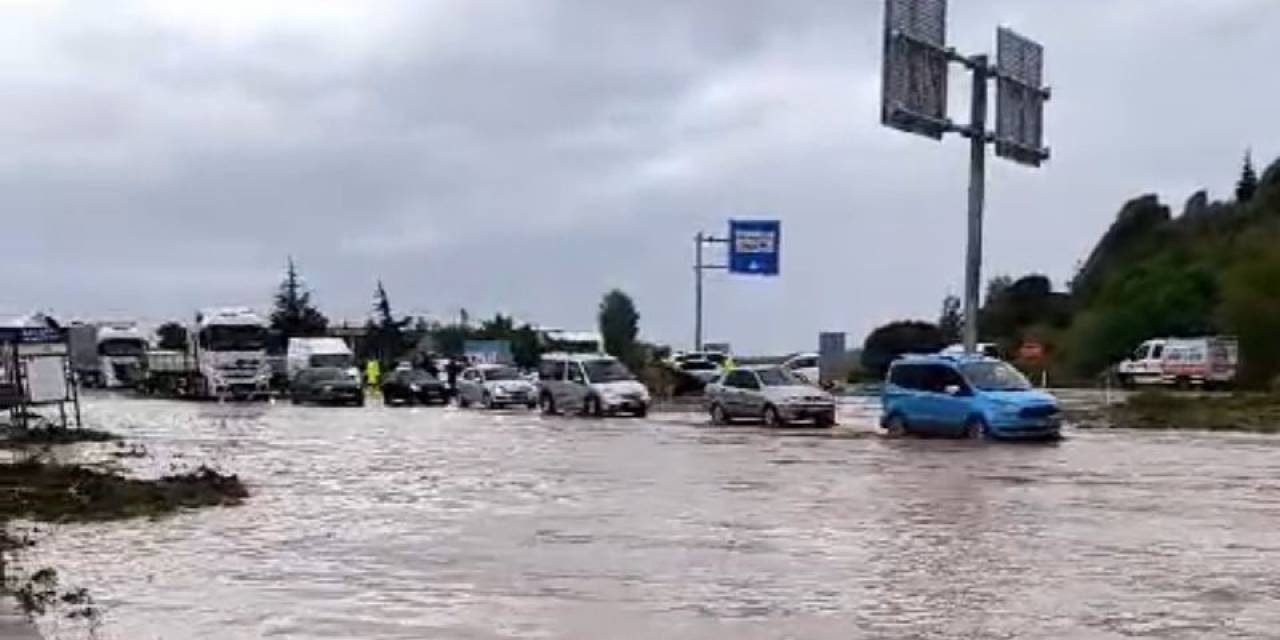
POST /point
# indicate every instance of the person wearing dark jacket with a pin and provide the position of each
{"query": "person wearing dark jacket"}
(452, 370)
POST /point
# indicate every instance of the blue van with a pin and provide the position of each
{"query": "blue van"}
(966, 396)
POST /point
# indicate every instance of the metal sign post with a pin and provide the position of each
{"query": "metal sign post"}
(754, 249)
(914, 100)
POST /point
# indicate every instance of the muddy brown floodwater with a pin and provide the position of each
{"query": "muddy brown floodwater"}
(442, 523)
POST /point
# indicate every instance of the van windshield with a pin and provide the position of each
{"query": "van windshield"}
(606, 371)
(995, 376)
(778, 378)
(501, 373)
(340, 360)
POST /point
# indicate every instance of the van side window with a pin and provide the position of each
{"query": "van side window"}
(737, 379)
(1157, 351)
(575, 372)
(551, 370)
(948, 377)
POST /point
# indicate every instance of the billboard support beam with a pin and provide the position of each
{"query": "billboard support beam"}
(700, 240)
(977, 196)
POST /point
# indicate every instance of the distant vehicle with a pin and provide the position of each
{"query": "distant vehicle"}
(703, 367)
(327, 385)
(413, 386)
(803, 366)
(225, 357)
(966, 396)
(773, 395)
(561, 341)
(494, 386)
(1206, 361)
(312, 353)
(988, 349)
(108, 355)
(593, 385)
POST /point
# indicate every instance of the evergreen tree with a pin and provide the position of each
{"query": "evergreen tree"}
(951, 321)
(386, 333)
(619, 325)
(1248, 183)
(294, 316)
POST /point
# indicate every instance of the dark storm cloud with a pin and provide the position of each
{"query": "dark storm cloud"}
(527, 156)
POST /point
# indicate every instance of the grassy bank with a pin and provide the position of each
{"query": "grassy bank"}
(1255, 413)
(36, 489)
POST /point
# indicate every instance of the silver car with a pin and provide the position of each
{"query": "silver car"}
(494, 386)
(771, 394)
(593, 385)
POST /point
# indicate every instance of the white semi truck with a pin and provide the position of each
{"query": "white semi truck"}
(225, 357)
(107, 354)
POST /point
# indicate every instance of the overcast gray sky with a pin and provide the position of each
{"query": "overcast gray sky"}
(157, 156)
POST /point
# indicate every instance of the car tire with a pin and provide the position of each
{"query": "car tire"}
(825, 420)
(463, 402)
(486, 401)
(548, 403)
(642, 412)
(719, 416)
(772, 418)
(531, 406)
(295, 400)
(896, 426)
(975, 428)
(592, 407)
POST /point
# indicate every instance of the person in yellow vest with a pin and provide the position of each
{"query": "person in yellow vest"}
(729, 364)
(372, 373)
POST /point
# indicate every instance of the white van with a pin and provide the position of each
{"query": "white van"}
(1204, 361)
(592, 385)
(313, 353)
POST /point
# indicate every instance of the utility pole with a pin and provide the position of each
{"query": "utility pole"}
(977, 194)
(700, 240)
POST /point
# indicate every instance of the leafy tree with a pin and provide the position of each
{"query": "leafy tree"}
(173, 336)
(1251, 311)
(386, 333)
(1248, 183)
(1015, 305)
(526, 348)
(619, 325)
(887, 343)
(951, 320)
(294, 316)
(1134, 235)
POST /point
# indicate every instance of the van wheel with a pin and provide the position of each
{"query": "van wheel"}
(486, 401)
(718, 415)
(592, 407)
(895, 426)
(826, 420)
(463, 401)
(772, 418)
(975, 429)
(548, 404)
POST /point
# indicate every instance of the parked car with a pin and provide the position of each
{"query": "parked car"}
(771, 394)
(413, 386)
(803, 366)
(1206, 361)
(591, 385)
(327, 385)
(966, 396)
(494, 386)
(988, 349)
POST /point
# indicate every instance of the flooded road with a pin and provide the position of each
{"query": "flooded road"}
(441, 523)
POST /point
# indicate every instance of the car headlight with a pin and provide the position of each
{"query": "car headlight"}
(327, 388)
(415, 388)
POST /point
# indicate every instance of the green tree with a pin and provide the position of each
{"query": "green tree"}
(887, 343)
(619, 325)
(951, 320)
(1248, 183)
(173, 336)
(1251, 311)
(386, 333)
(294, 316)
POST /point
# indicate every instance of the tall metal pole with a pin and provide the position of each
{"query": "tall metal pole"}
(697, 292)
(977, 192)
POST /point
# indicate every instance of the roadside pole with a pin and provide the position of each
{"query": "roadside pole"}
(977, 194)
(700, 240)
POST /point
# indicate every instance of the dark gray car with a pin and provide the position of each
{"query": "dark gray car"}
(773, 395)
(327, 385)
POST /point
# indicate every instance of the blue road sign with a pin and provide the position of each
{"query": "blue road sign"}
(754, 247)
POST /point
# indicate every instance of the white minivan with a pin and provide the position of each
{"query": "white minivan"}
(315, 353)
(593, 385)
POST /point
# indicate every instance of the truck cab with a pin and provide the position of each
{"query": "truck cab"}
(121, 350)
(1145, 365)
(229, 346)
